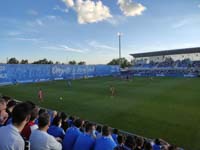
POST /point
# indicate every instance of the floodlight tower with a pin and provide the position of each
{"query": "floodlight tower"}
(119, 36)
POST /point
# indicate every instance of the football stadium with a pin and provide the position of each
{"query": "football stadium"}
(99, 75)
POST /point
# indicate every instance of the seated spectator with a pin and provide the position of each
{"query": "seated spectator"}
(55, 128)
(10, 138)
(115, 135)
(64, 121)
(53, 115)
(70, 121)
(10, 106)
(41, 111)
(139, 143)
(40, 139)
(30, 126)
(120, 141)
(105, 142)
(98, 131)
(157, 145)
(129, 143)
(148, 146)
(85, 141)
(3, 113)
(72, 134)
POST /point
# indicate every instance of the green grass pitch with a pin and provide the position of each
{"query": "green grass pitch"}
(168, 108)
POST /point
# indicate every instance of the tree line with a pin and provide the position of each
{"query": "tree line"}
(123, 62)
(13, 60)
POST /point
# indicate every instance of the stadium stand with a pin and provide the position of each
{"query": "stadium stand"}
(172, 63)
(79, 133)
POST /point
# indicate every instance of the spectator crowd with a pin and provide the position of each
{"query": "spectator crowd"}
(25, 126)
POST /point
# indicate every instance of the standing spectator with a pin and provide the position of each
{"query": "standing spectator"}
(40, 139)
(55, 128)
(3, 113)
(105, 142)
(10, 138)
(72, 134)
(85, 141)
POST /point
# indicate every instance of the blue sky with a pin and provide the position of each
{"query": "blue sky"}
(86, 30)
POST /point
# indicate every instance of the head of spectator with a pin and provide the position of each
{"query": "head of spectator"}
(63, 116)
(148, 146)
(99, 129)
(54, 114)
(21, 115)
(130, 142)
(57, 121)
(139, 143)
(64, 121)
(89, 127)
(3, 113)
(115, 131)
(44, 122)
(106, 131)
(2, 104)
(78, 123)
(6, 98)
(41, 111)
(11, 104)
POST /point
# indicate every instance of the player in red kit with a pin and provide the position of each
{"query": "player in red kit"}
(40, 95)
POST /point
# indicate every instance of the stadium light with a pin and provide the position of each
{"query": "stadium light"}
(119, 35)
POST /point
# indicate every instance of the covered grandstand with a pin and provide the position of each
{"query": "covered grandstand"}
(180, 63)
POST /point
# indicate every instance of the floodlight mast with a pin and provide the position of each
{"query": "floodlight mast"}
(119, 36)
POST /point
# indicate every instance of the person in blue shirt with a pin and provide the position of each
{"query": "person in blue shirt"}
(105, 142)
(72, 134)
(85, 141)
(115, 135)
(55, 129)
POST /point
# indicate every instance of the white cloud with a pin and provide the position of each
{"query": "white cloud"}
(60, 9)
(39, 22)
(14, 33)
(117, 19)
(89, 11)
(100, 46)
(29, 39)
(33, 12)
(181, 23)
(130, 8)
(64, 48)
(69, 3)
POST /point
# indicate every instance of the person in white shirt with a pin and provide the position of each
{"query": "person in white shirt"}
(40, 139)
(10, 138)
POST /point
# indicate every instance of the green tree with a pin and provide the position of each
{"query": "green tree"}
(82, 63)
(72, 62)
(123, 61)
(24, 61)
(13, 60)
(43, 61)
